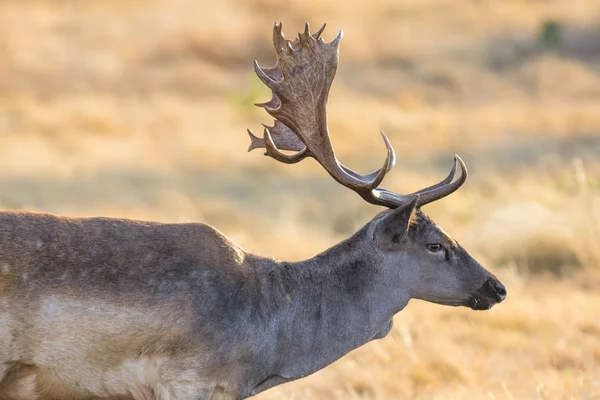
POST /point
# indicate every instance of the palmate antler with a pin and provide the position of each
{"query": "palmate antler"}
(300, 83)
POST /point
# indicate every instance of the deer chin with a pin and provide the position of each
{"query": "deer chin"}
(480, 303)
(451, 303)
(474, 302)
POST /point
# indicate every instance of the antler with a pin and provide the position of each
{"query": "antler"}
(300, 83)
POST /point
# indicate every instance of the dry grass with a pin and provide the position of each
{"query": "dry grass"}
(138, 108)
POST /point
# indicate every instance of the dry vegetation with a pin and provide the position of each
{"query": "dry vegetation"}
(138, 108)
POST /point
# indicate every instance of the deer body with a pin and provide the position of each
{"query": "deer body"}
(104, 308)
(98, 308)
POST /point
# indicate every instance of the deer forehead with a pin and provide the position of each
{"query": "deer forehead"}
(440, 234)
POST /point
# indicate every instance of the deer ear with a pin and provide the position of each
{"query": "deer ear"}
(394, 226)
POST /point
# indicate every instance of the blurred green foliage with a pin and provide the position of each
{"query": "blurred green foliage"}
(550, 34)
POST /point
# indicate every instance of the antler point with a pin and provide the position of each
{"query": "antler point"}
(463, 166)
(254, 141)
(266, 79)
(317, 34)
(336, 42)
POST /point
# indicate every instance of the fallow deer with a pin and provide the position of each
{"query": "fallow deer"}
(105, 308)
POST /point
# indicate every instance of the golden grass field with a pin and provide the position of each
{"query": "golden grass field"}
(138, 108)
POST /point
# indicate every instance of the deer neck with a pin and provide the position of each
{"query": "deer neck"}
(329, 305)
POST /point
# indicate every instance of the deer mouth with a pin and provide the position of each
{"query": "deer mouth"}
(477, 302)
(480, 303)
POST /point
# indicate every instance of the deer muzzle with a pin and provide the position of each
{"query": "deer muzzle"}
(489, 294)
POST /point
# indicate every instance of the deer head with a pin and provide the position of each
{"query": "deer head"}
(411, 251)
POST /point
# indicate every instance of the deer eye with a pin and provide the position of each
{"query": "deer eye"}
(434, 247)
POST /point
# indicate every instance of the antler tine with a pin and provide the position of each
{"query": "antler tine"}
(443, 182)
(273, 104)
(427, 195)
(282, 137)
(316, 36)
(372, 175)
(438, 192)
(271, 83)
(300, 82)
(255, 141)
(305, 37)
(390, 160)
(336, 41)
(318, 33)
(279, 156)
(279, 41)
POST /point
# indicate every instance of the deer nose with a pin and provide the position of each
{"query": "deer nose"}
(497, 289)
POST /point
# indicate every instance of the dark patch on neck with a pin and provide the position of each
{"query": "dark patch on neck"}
(353, 276)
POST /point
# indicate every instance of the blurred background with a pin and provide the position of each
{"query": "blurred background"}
(138, 109)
